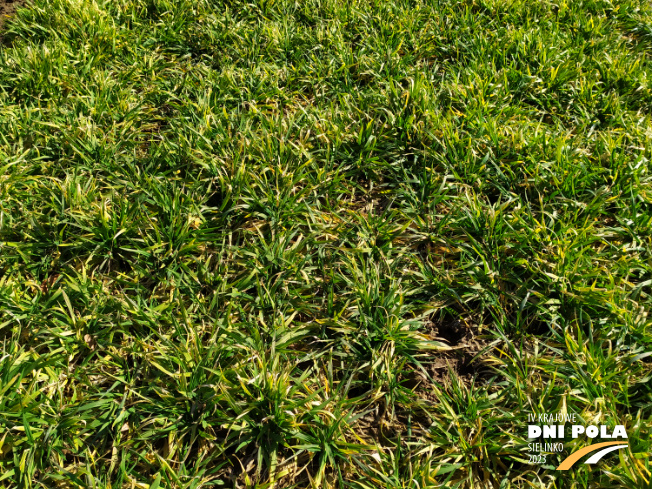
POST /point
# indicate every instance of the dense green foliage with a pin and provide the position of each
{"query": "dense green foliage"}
(325, 243)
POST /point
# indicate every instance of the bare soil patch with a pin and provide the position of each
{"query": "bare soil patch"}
(461, 360)
(7, 9)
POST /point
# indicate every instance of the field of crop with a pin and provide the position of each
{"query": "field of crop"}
(329, 243)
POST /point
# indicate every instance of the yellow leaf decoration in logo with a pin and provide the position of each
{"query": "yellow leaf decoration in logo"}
(575, 456)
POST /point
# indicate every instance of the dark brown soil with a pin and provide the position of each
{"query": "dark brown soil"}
(7, 9)
(461, 359)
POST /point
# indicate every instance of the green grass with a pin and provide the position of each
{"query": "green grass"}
(241, 242)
